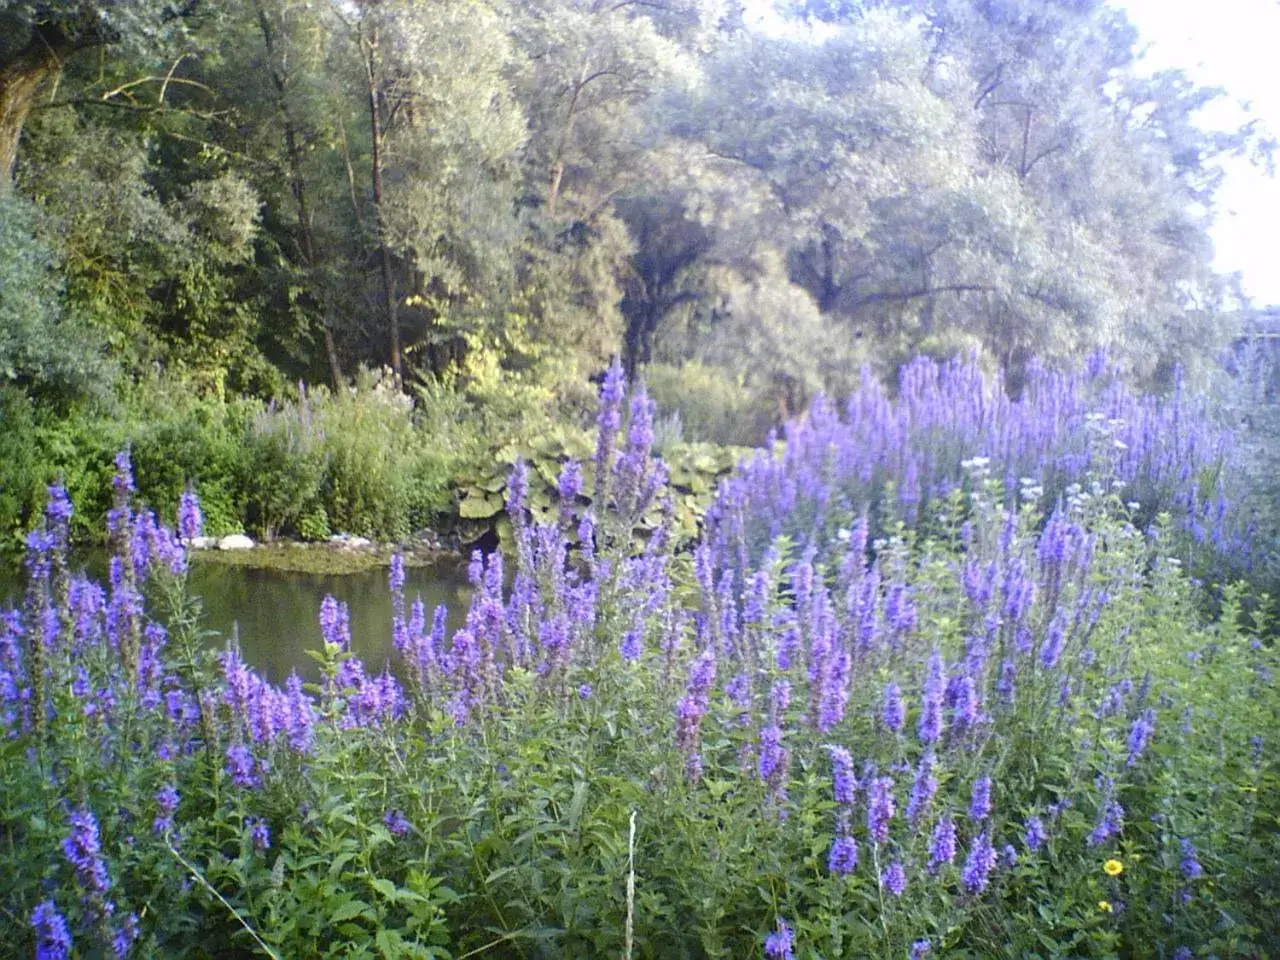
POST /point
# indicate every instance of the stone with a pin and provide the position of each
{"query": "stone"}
(236, 541)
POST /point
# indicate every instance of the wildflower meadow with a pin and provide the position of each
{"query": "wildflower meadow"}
(945, 675)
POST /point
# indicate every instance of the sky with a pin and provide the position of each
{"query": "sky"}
(1234, 44)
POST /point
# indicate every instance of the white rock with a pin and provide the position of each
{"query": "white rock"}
(202, 543)
(237, 541)
(359, 542)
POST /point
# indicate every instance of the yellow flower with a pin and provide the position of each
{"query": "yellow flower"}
(1113, 867)
(1104, 906)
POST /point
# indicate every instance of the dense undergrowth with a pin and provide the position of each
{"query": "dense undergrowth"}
(988, 721)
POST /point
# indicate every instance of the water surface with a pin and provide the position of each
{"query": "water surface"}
(273, 613)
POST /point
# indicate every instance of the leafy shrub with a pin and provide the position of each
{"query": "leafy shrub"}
(712, 406)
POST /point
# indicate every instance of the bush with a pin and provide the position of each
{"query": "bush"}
(712, 406)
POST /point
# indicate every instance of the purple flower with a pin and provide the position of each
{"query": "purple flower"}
(1183, 953)
(894, 878)
(894, 712)
(773, 757)
(190, 519)
(1140, 735)
(942, 845)
(843, 858)
(978, 867)
(1110, 822)
(259, 833)
(780, 944)
(934, 688)
(83, 849)
(396, 823)
(166, 802)
(980, 800)
(335, 622)
(632, 645)
(240, 766)
(53, 942)
(920, 949)
(584, 692)
(964, 711)
(880, 808)
(123, 939)
(922, 791)
(1189, 863)
(843, 783)
(1034, 834)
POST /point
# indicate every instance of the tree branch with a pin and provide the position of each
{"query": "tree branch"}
(918, 294)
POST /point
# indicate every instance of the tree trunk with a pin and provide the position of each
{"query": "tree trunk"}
(298, 187)
(20, 81)
(380, 222)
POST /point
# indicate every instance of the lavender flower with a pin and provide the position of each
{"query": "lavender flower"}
(780, 944)
(335, 622)
(894, 878)
(1189, 863)
(920, 949)
(843, 858)
(53, 941)
(124, 937)
(934, 688)
(240, 766)
(843, 783)
(259, 833)
(922, 791)
(980, 800)
(978, 867)
(166, 802)
(83, 851)
(1140, 735)
(190, 518)
(880, 808)
(894, 712)
(1034, 834)
(942, 845)
(1110, 822)
(632, 645)
(396, 823)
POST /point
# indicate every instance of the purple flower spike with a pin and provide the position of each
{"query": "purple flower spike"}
(942, 845)
(83, 850)
(843, 858)
(1034, 834)
(893, 713)
(53, 942)
(880, 808)
(259, 833)
(980, 800)
(780, 944)
(982, 860)
(842, 778)
(396, 823)
(894, 878)
(190, 518)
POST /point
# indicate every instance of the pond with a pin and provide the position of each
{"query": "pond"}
(273, 613)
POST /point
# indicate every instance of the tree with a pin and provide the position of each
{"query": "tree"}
(41, 37)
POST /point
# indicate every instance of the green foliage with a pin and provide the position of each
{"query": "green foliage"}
(43, 347)
(712, 406)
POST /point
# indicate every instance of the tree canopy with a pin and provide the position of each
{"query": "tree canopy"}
(499, 192)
